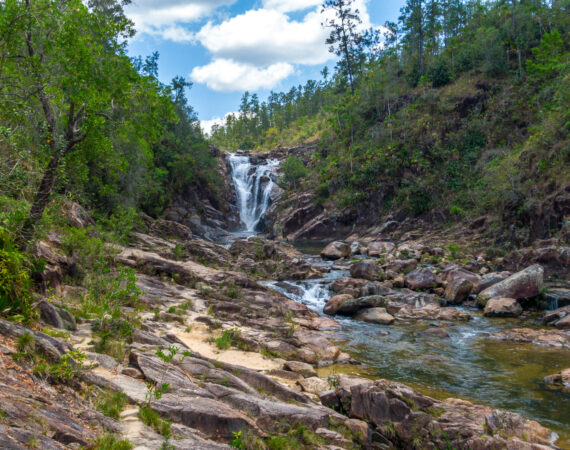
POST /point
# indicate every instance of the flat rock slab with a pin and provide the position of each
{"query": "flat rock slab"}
(135, 390)
(301, 368)
(212, 417)
(548, 338)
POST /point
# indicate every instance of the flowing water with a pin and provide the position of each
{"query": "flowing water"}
(466, 365)
(253, 184)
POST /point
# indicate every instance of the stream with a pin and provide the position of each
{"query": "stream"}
(504, 375)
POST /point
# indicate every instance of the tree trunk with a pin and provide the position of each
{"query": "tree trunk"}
(41, 199)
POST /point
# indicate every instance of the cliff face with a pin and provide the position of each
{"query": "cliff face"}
(209, 214)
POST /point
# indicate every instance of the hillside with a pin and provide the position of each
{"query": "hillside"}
(477, 134)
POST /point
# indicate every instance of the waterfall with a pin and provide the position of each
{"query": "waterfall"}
(253, 184)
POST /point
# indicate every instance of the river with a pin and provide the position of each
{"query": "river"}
(504, 375)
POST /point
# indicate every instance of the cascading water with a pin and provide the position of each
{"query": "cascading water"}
(253, 184)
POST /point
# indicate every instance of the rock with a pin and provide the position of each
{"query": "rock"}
(334, 438)
(458, 290)
(375, 315)
(422, 422)
(314, 385)
(135, 390)
(563, 324)
(366, 269)
(355, 248)
(330, 399)
(559, 380)
(336, 250)
(169, 229)
(427, 312)
(437, 332)
(545, 337)
(524, 284)
(345, 304)
(489, 280)
(269, 413)
(347, 286)
(212, 417)
(376, 249)
(106, 361)
(375, 288)
(49, 314)
(302, 368)
(419, 279)
(334, 304)
(144, 337)
(502, 307)
(401, 265)
(76, 215)
(51, 347)
(558, 317)
(133, 373)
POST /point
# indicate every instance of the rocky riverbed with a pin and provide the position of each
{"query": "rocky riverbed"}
(265, 382)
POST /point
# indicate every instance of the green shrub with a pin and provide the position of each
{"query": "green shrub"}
(16, 269)
(110, 442)
(226, 339)
(293, 170)
(152, 419)
(112, 404)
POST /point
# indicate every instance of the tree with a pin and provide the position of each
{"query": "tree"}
(68, 72)
(293, 170)
(345, 40)
(413, 25)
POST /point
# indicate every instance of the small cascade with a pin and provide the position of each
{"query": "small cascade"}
(253, 184)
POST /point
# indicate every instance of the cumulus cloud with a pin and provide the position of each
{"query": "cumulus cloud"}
(228, 75)
(207, 125)
(290, 5)
(261, 37)
(163, 18)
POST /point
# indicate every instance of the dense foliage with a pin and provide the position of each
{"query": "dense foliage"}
(80, 118)
(462, 111)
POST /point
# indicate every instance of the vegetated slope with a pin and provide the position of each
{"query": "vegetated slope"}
(480, 127)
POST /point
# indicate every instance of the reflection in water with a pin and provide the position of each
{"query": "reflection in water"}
(500, 374)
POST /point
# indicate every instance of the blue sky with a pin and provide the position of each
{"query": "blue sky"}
(228, 46)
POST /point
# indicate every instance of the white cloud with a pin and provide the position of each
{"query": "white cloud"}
(207, 125)
(227, 75)
(262, 37)
(163, 18)
(290, 5)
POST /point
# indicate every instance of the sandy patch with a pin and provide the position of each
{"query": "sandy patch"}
(196, 340)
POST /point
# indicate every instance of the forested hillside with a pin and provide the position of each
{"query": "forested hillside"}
(462, 111)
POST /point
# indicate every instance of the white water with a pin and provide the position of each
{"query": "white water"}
(253, 186)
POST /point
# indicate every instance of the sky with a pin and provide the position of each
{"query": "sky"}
(226, 47)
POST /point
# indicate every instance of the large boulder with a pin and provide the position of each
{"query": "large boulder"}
(419, 279)
(304, 369)
(458, 290)
(336, 250)
(489, 280)
(336, 303)
(502, 307)
(375, 315)
(376, 249)
(346, 304)
(524, 284)
(366, 269)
